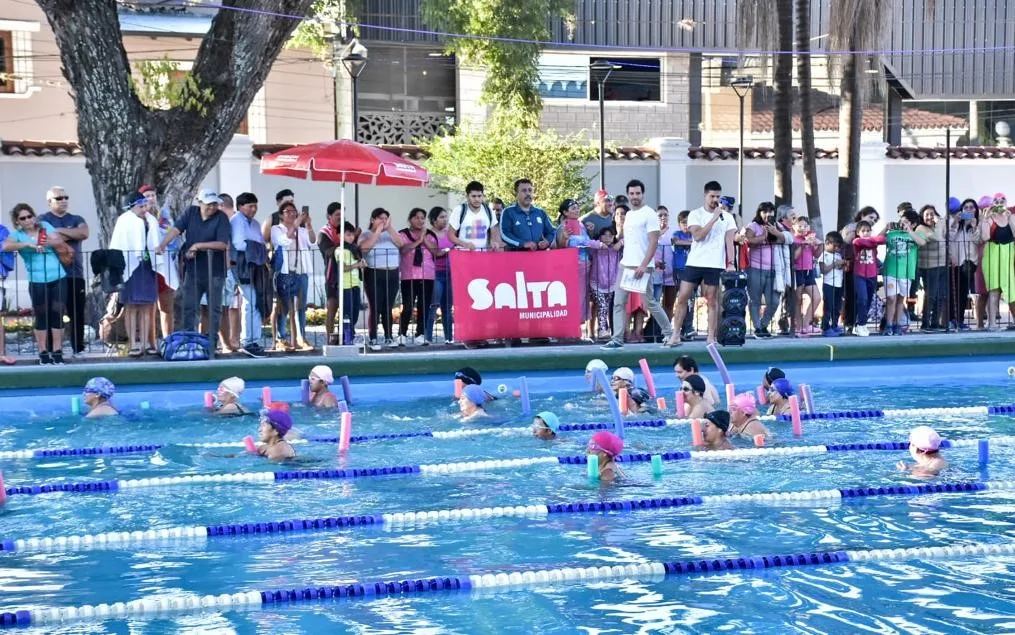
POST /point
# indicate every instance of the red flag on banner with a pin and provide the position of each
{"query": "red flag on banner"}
(516, 294)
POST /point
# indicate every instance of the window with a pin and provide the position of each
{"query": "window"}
(563, 76)
(637, 79)
(6, 62)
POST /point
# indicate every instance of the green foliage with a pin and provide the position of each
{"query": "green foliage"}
(161, 85)
(502, 152)
(328, 19)
(512, 68)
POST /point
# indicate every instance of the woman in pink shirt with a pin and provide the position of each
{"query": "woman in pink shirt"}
(763, 237)
(805, 248)
(438, 217)
(417, 271)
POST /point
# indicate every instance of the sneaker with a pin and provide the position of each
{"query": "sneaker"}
(420, 340)
(394, 343)
(839, 330)
(253, 350)
(861, 331)
(963, 327)
(57, 358)
(45, 359)
(612, 345)
(375, 344)
(401, 340)
(830, 332)
(763, 333)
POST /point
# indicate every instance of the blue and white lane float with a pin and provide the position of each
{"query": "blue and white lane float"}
(472, 466)
(499, 431)
(201, 533)
(153, 605)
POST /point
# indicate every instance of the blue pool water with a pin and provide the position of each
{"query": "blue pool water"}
(948, 595)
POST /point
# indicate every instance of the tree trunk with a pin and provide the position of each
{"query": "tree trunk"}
(850, 110)
(782, 128)
(126, 143)
(803, 72)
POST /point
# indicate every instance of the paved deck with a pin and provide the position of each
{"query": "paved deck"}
(439, 360)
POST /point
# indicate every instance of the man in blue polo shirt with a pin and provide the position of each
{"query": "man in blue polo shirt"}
(523, 226)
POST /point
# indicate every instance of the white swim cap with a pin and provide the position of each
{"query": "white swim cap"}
(925, 439)
(323, 373)
(233, 385)
(596, 364)
(624, 373)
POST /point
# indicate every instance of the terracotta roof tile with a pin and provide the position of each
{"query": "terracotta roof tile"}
(414, 152)
(40, 148)
(730, 154)
(762, 119)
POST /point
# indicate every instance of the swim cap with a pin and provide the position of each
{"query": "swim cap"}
(624, 373)
(233, 385)
(783, 387)
(323, 373)
(607, 442)
(925, 439)
(774, 373)
(475, 394)
(720, 418)
(596, 364)
(280, 420)
(469, 376)
(696, 382)
(100, 386)
(745, 401)
(551, 420)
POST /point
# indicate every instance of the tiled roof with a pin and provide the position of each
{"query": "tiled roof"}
(417, 153)
(827, 119)
(730, 154)
(40, 148)
(961, 152)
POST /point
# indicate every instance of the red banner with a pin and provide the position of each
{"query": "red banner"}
(515, 294)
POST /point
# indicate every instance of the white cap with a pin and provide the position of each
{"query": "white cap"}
(234, 385)
(925, 438)
(624, 373)
(209, 196)
(596, 364)
(323, 373)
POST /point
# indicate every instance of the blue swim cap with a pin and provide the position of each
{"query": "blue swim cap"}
(100, 386)
(551, 420)
(475, 394)
(783, 387)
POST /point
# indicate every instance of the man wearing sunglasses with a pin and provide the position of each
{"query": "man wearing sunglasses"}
(74, 230)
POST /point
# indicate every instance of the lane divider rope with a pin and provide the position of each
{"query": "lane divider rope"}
(494, 580)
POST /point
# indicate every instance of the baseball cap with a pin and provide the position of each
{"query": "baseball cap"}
(925, 439)
(209, 196)
(624, 373)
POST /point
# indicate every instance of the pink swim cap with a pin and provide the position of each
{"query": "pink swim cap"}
(745, 401)
(607, 442)
(925, 439)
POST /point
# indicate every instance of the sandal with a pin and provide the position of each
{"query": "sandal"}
(134, 352)
(151, 350)
(7, 361)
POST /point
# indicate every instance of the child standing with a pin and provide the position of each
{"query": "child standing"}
(865, 275)
(681, 242)
(832, 267)
(900, 266)
(603, 278)
(352, 260)
(805, 249)
(571, 233)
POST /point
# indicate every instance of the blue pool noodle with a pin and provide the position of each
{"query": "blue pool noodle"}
(983, 448)
(346, 389)
(305, 390)
(75, 405)
(524, 394)
(618, 419)
(342, 406)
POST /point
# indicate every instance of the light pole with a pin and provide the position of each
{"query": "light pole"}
(354, 63)
(600, 71)
(741, 86)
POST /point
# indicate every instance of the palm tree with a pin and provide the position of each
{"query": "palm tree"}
(854, 25)
(803, 71)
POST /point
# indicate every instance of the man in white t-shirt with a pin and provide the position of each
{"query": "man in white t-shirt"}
(712, 230)
(640, 233)
(473, 224)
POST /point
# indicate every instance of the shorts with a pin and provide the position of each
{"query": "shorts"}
(703, 275)
(163, 286)
(804, 278)
(897, 286)
(230, 300)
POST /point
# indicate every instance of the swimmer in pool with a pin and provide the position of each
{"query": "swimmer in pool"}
(714, 427)
(227, 398)
(685, 366)
(770, 376)
(638, 398)
(320, 396)
(693, 387)
(545, 426)
(471, 403)
(924, 447)
(275, 424)
(590, 368)
(471, 377)
(607, 446)
(778, 395)
(744, 421)
(97, 395)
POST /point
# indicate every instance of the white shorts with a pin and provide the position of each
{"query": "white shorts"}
(230, 299)
(897, 286)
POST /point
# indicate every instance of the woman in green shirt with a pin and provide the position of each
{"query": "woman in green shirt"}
(901, 244)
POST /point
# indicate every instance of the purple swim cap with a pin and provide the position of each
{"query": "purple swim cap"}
(280, 420)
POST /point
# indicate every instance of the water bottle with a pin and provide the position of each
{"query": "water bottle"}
(42, 236)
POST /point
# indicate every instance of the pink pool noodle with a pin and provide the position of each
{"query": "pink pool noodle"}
(622, 401)
(459, 386)
(762, 395)
(647, 372)
(345, 434)
(248, 442)
(3, 490)
(759, 440)
(661, 404)
(794, 409)
(266, 396)
(697, 436)
(209, 400)
(679, 404)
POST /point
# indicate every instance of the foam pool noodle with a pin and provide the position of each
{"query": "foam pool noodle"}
(209, 400)
(526, 406)
(680, 405)
(622, 401)
(342, 406)
(266, 396)
(248, 443)
(75, 405)
(346, 388)
(794, 409)
(592, 467)
(717, 358)
(697, 436)
(459, 386)
(3, 490)
(650, 384)
(730, 394)
(305, 391)
(145, 405)
(345, 433)
(808, 398)
(759, 440)
(661, 404)
(611, 399)
(762, 395)
(983, 451)
(657, 465)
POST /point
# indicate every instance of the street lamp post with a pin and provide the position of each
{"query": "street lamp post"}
(600, 71)
(741, 86)
(354, 63)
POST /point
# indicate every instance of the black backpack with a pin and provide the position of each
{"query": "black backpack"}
(465, 209)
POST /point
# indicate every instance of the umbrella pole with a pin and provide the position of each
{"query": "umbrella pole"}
(341, 273)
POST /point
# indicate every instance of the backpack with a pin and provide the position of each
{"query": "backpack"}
(185, 346)
(7, 258)
(465, 209)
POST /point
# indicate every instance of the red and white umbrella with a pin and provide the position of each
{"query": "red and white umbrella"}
(344, 161)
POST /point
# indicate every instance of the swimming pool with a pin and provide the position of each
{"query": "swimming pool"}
(888, 593)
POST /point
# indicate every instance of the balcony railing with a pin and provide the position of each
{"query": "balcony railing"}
(397, 128)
